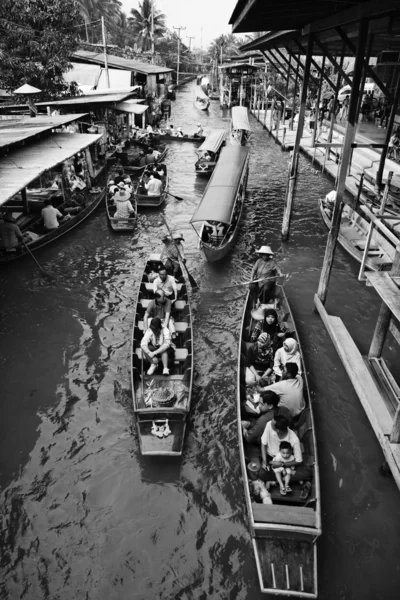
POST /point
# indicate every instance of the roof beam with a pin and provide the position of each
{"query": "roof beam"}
(287, 62)
(370, 72)
(316, 65)
(333, 60)
(361, 11)
(240, 17)
(273, 63)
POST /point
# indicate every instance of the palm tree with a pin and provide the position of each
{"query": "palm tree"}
(140, 23)
(93, 10)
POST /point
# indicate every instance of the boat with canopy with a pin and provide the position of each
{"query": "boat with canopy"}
(209, 152)
(202, 101)
(284, 528)
(64, 169)
(162, 402)
(217, 218)
(240, 126)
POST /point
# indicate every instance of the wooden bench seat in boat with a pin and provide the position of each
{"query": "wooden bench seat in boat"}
(180, 327)
(285, 514)
(180, 354)
(177, 306)
(149, 286)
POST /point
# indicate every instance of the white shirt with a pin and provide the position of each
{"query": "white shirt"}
(271, 439)
(290, 392)
(153, 187)
(331, 197)
(169, 285)
(123, 209)
(50, 214)
(150, 338)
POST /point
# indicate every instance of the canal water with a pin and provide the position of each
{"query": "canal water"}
(83, 515)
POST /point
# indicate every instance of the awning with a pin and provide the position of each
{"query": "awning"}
(213, 141)
(220, 194)
(131, 107)
(240, 118)
(16, 130)
(24, 165)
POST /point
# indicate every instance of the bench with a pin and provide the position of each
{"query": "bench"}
(302, 516)
(180, 354)
(149, 286)
(180, 326)
(177, 306)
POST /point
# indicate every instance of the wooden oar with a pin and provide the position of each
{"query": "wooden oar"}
(44, 273)
(245, 283)
(190, 277)
(176, 197)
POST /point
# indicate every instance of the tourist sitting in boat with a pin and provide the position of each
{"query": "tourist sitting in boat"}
(267, 270)
(10, 233)
(199, 131)
(167, 283)
(289, 389)
(120, 177)
(154, 153)
(160, 307)
(179, 132)
(253, 429)
(172, 252)
(286, 469)
(288, 353)
(154, 185)
(329, 202)
(149, 158)
(161, 171)
(260, 357)
(50, 216)
(125, 209)
(214, 232)
(267, 322)
(275, 432)
(155, 345)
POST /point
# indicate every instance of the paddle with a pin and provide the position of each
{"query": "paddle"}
(245, 283)
(44, 273)
(190, 277)
(176, 197)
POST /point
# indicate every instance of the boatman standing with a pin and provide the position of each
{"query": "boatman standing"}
(170, 255)
(266, 269)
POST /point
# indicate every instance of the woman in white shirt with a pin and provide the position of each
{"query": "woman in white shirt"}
(155, 345)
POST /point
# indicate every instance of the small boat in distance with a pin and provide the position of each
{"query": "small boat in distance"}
(353, 234)
(221, 206)
(143, 198)
(202, 101)
(120, 224)
(209, 152)
(162, 402)
(136, 170)
(284, 531)
(240, 126)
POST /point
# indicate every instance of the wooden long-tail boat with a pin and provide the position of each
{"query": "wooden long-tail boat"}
(202, 101)
(283, 533)
(142, 197)
(136, 170)
(240, 126)
(119, 224)
(162, 402)
(221, 207)
(353, 234)
(209, 152)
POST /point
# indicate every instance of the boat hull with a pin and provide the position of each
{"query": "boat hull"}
(352, 237)
(143, 200)
(283, 533)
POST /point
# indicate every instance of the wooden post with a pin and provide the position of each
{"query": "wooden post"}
(25, 204)
(379, 174)
(293, 165)
(272, 112)
(295, 93)
(348, 140)
(316, 116)
(335, 101)
(384, 318)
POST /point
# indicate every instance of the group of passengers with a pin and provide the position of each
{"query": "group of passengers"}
(158, 340)
(120, 190)
(273, 376)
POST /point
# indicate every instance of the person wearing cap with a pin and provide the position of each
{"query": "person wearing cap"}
(199, 131)
(125, 209)
(266, 268)
(10, 233)
(160, 307)
(172, 252)
(155, 345)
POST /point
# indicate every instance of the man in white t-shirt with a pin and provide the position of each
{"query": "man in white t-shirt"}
(167, 283)
(50, 216)
(153, 186)
(289, 389)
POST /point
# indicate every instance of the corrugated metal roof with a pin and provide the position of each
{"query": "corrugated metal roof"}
(220, 194)
(116, 62)
(236, 65)
(22, 166)
(13, 131)
(91, 99)
(214, 140)
(240, 118)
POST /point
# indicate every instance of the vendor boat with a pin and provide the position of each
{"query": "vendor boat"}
(167, 137)
(202, 101)
(162, 402)
(240, 126)
(209, 152)
(353, 236)
(136, 170)
(220, 210)
(284, 531)
(142, 197)
(23, 197)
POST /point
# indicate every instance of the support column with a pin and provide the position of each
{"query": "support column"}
(287, 213)
(316, 116)
(385, 315)
(342, 173)
(335, 101)
(294, 95)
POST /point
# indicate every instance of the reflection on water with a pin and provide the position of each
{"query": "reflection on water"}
(83, 515)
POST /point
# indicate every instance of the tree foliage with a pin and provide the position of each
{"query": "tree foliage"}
(37, 38)
(140, 24)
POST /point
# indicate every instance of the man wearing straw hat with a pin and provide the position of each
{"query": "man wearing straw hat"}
(266, 269)
(121, 198)
(170, 255)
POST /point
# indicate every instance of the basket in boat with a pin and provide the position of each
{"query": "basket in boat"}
(163, 397)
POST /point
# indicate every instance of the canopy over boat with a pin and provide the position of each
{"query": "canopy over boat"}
(240, 118)
(220, 195)
(213, 141)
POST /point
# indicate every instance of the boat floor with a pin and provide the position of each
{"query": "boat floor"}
(171, 382)
(286, 566)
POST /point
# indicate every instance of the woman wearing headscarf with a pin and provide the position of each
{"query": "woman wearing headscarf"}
(269, 324)
(259, 359)
(288, 353)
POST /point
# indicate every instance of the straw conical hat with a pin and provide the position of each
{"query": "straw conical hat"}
(27, 89)
(258, 313)
(265, 250)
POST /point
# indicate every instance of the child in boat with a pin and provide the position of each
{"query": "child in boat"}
(284, 472)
